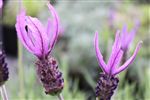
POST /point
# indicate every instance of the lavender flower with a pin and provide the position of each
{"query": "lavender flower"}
(1, 3)
(40, 41)
(108, 82)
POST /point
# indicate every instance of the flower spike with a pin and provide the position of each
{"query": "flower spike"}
(108, 81)
(40, 41)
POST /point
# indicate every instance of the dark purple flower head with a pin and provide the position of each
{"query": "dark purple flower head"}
(106, 86)
(50, 76)
(36, 38)
(112, 67)
(3, 69)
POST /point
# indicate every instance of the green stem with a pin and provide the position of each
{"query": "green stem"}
(97, 98)
(4, 93)
(20, 69)
(60, 97)
(20, 62)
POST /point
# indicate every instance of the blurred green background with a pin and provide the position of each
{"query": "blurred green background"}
(75, 48)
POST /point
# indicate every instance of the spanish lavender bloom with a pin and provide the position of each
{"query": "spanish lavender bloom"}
(1, 3)
(40, 41)
(108, 82)
(3, 69)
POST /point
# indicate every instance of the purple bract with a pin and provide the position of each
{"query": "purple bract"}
(36, 38)
(112, 67)
(127, 37)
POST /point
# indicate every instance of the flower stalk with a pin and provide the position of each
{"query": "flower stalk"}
(60, 97)
(20, 62)
(3, 93)
(20, 70)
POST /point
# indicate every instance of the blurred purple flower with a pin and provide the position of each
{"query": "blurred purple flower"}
(112, 14)
(112, 68)
(1, 3)
(36, 38)
(127, 37)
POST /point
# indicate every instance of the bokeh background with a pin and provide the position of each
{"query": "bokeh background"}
(75, 48)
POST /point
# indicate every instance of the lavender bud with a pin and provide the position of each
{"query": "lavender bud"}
(3, 69)
(50, 76)
(106, 86)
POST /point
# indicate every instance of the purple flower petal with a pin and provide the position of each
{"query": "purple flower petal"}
(124, 37)
(99, 55)
(20, 27)
(130, 38)
(56, 26)
(116, 54)
(50, 28)
(129, 61)
(28, 34)
(127, 37)
(124, 30)
(34, 36)
(40, 36)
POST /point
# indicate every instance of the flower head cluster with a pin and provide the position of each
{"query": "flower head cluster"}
(40, 41)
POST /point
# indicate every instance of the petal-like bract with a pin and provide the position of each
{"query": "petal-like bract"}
(127, 37)
(34, 36)
(112, 68)
(99, 55)
(116, 54)
(129, 61)
(55, 27)
(22, 34)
